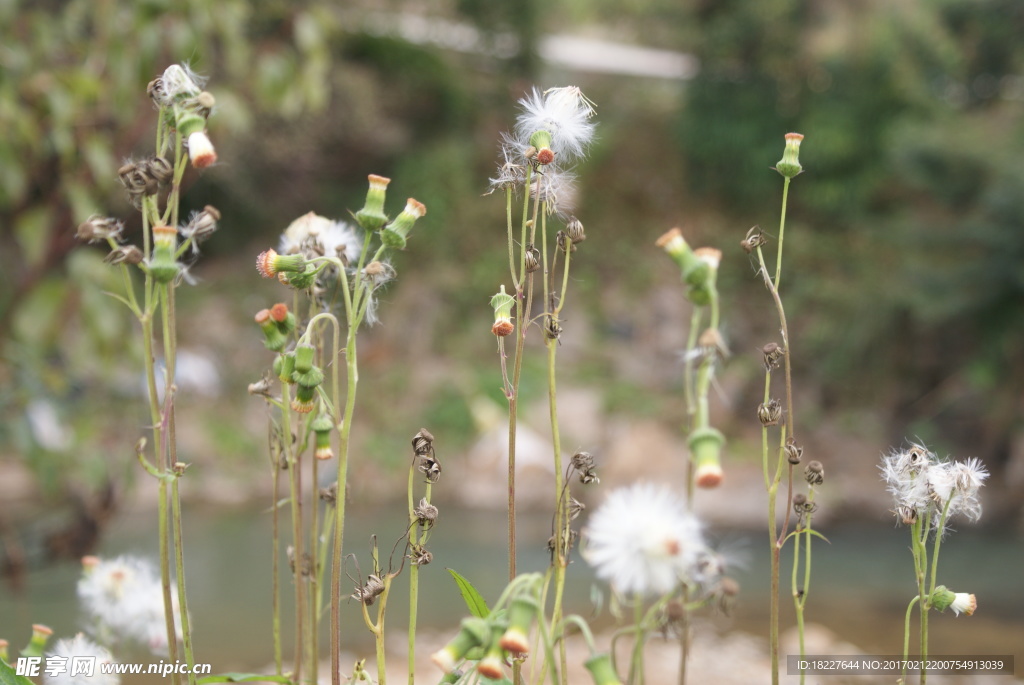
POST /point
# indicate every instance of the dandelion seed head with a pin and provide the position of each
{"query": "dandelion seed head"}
(642, 540)
(123, 599)
(75, 648)
(565, 113)
(317, 235)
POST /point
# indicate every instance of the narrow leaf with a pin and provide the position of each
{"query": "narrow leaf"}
(474, 602)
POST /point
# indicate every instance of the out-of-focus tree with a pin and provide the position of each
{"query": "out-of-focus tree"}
(912, 206)
(73, 104)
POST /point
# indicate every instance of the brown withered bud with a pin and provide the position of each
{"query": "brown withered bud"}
(98, 228)
(754, 240)
(573, 536)
(367, 594)
(178, 468)
(907, 515)
(769, 414)
(425, 513)
(574, 229)
(581, 461)
(729, 586)
(712, 344)
(773, 354)
(261, 387)
(814, 473)
(564, 242)
(156, 91)
(420, 555)
(430, 467)
(532, 258)
(423, 442)
(159, 169)
(329, 495)
(202, 225)
(552, 330)
(793, 451)
(128, 254)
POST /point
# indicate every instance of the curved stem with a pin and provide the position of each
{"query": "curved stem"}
(906, 637)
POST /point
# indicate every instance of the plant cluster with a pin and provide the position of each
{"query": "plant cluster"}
(644, 541)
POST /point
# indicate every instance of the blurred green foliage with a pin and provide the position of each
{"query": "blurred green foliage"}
(907, 268)
(910, 290)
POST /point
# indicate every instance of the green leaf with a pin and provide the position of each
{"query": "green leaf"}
(474, 602)
(239, 678)
(9, 677)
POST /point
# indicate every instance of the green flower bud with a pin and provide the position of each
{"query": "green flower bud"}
(395, 234)
(37, 643)
(541, 140)
(305, 399)
(188, 122)
(491, 666)
(695, 270)
(273, 338)
(309, 379)
(706, 449)
(789, 165)
(601, 670)
(284, 367)
(943, 598)
(304, 353)
(299, 281)
(269, 263)
(284, 319)
(323, 425)
(371, 217)
(521, 614)
(502, 303)
(162, 265)
(473, 633)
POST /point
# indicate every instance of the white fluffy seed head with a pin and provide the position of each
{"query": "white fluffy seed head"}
(565, 113)
(643, 541)
(75, 648)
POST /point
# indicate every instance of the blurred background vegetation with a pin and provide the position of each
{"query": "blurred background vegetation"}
(905, 261)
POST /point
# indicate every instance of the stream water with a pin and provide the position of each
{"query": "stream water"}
(861, 585)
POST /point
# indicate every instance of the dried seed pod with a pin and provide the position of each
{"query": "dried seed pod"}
(423, 442)
(367, 594)
(97, 228)
(576, 508)
(429, 467)
(574, 229)
(773, 354)
(532, 258)
(426, 513)
(754, 240)
(793, 451)
(769, 414)
(420, 555)
(128, 254)
(261, 387)
(814, 473)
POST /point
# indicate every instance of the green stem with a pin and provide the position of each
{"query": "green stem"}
(636, 661)
(782, 232)
(906, 637)
(169, 325)
(276, 552)
(295, 502)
